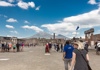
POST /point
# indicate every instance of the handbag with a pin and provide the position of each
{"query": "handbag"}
(89, 68)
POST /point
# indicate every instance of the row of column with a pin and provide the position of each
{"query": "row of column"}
(89, 38)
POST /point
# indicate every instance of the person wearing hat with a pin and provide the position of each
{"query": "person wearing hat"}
(80, 57)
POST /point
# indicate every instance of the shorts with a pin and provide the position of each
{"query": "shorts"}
(14, 48)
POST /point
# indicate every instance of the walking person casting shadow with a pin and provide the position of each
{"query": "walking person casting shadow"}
(67, 54)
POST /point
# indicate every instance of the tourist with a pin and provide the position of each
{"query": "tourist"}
(14, 48)
(18, 47)
(55, 46)
(22, 46)
(3, 47)
(50, 45)
(58, 48)
(98, 48)
(10, 46)
(80, 57)
(61, 47)
(47, 48)
(67, 54)
(96, 45)
(86, 46)
(6, 47)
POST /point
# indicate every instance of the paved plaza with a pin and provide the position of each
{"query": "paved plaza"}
(34, 58)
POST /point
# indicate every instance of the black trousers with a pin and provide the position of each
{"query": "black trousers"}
(17, 49)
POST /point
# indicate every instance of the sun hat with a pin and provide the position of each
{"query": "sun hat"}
(75, 43)
(79, 44)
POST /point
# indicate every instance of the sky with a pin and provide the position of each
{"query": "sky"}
(24, 18)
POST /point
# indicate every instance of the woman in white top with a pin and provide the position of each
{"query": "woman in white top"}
(98, 48)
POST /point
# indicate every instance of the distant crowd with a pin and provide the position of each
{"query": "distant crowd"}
(56, 46)
(7, 47)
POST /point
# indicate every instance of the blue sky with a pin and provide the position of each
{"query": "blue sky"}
(24, 18)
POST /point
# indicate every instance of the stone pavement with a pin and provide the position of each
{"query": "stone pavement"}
(34, 59)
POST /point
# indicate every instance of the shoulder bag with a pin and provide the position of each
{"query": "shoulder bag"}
(89, 68)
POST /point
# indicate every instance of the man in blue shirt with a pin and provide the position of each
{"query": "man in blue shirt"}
(67, 54)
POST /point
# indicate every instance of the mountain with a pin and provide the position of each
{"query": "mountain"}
(42, 35)
(62, 37)
(48, 36)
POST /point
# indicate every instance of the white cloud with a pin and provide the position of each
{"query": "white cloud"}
(31, 4)
(92, 2)
(11, 20)
(9, 36)
(86, 20)
(5, 4)
(69, 24)
(75, 33)
(37, 8)
(37, 29)
(15, 32)
(60, 27)
(9, 26)
(26, 22)
(25, 5)
(19, 3)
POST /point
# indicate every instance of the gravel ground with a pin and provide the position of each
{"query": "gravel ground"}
(34, 58)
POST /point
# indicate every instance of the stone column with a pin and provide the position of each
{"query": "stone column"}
(89, 39)
(54, 36)
(92, 39)
(91, 36)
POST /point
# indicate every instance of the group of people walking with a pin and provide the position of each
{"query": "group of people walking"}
(75, 56)
(56, 46)
(6, 47)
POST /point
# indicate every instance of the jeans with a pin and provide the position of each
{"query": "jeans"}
(66, 62)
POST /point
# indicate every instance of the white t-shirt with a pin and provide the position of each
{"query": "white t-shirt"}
(98, 44)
